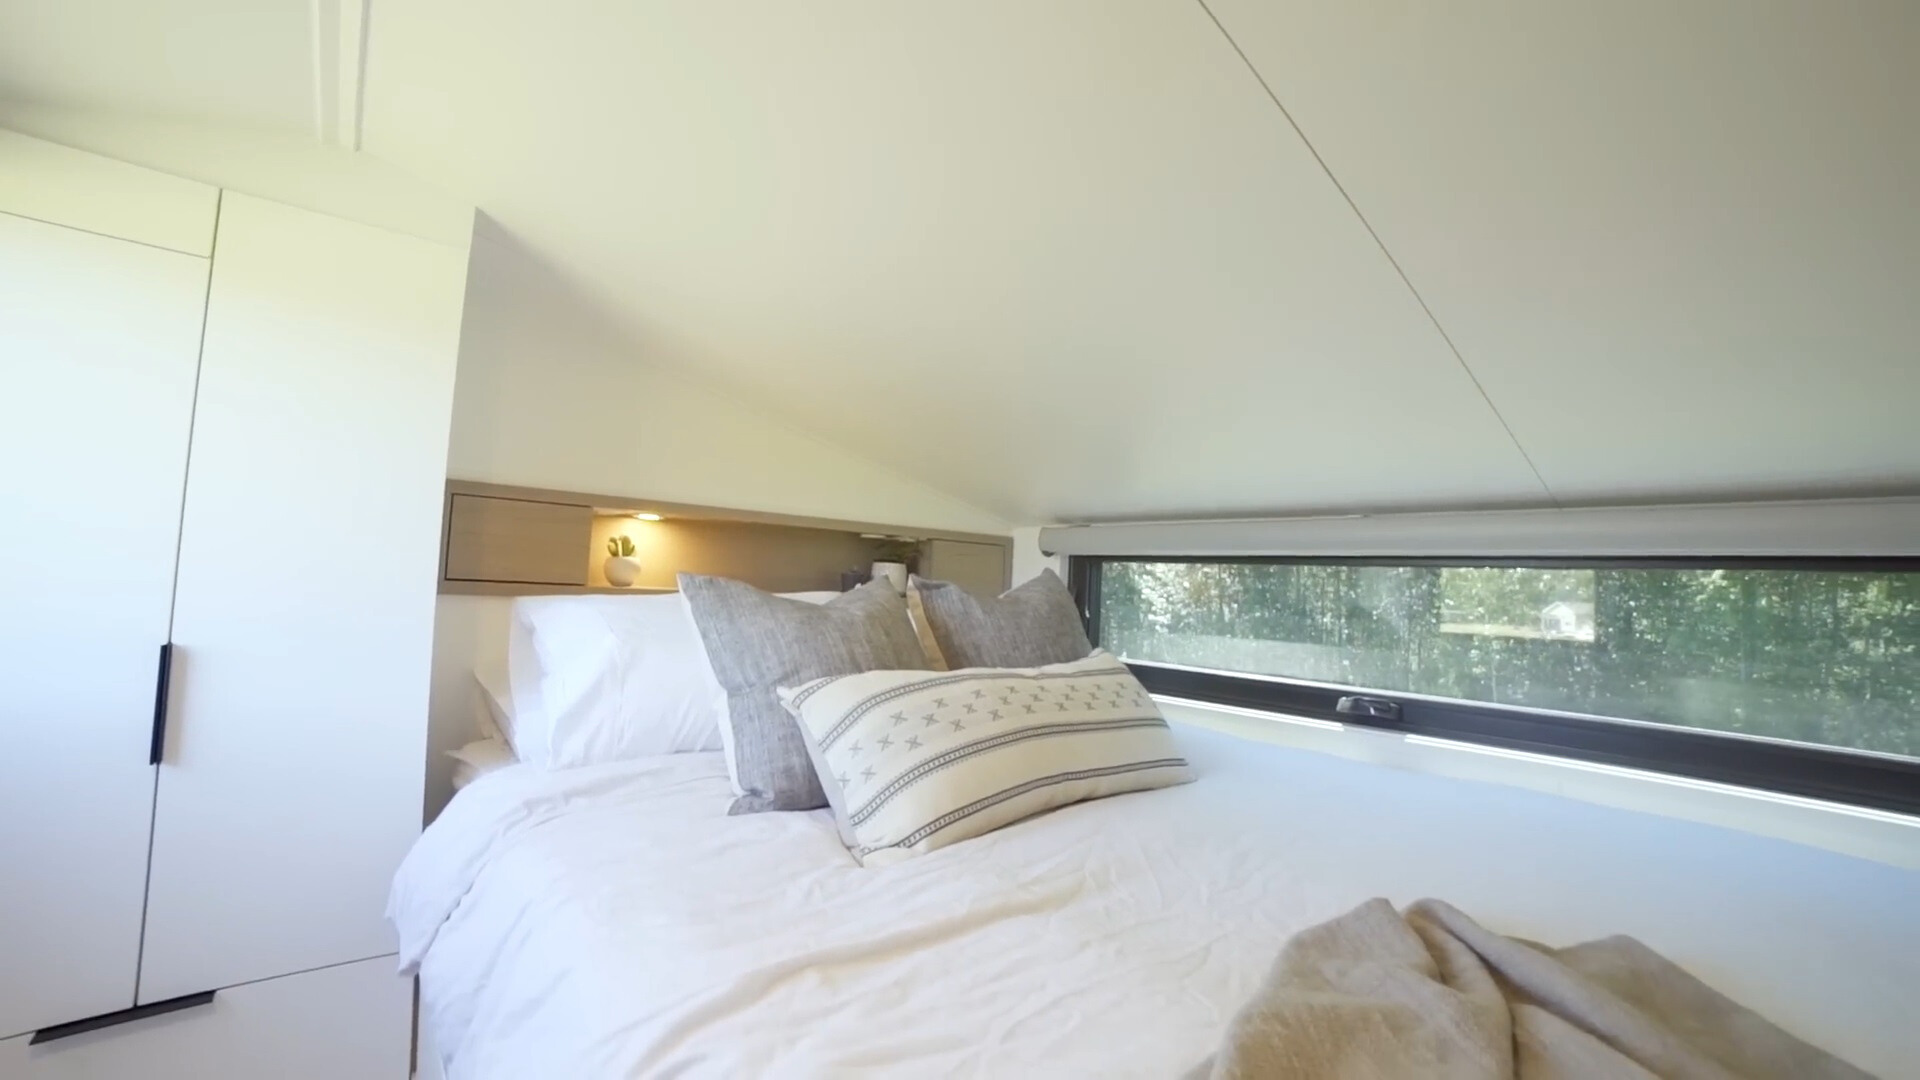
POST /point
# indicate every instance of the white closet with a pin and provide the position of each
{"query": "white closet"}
(223, 425)
(99, 339)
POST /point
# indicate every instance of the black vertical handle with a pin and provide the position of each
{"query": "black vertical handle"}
(157, 748)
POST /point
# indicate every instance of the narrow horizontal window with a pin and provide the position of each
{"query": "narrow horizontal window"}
(1803, 676)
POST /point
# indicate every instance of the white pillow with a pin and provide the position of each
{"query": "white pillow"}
(493, 706)
(527, 731)
(912, 761)
(477, 759)
(607, 678)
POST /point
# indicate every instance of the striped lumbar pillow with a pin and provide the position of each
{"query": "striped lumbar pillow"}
(914, 760)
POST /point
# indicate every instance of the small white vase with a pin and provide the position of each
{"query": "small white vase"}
(893, 572)
(622, 570)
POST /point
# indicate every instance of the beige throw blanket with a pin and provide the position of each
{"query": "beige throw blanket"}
(1430, 993)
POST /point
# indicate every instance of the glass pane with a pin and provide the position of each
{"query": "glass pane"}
(1816, 657)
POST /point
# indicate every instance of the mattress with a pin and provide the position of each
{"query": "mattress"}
(612, 921)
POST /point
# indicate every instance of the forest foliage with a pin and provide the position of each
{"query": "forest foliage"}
(1818, 657)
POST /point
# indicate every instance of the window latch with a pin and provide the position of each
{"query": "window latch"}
(1372, 708)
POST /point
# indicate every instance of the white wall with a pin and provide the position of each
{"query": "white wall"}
(1029, 560)
(548, 395)
(469, 634)
(551, 395)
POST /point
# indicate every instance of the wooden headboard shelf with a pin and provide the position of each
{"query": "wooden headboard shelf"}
(499, 540)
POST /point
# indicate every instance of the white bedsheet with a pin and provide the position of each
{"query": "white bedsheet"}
(613, 922)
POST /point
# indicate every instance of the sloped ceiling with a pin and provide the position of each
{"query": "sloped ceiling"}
(249, 63)
(1089, 259)
(1678, 243)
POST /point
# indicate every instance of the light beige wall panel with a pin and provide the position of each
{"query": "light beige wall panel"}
(770, 557)
(516, 540)
(1676, 242)
(979, 568)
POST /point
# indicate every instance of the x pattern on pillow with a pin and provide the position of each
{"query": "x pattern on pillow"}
(985, 738)
(1018, 694)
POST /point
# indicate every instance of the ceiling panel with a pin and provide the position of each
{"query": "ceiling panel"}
(1678, 243)
(242, 62)
(1067, 261)
(1064, 260)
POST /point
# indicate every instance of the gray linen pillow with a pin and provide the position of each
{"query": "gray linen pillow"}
(1032, 625)
(759, 642)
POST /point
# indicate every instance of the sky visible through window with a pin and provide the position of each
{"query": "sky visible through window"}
(1812, 656)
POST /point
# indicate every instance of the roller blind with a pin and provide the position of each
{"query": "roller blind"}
(1861, 528)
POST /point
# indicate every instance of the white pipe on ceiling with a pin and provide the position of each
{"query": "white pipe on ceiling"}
(1878, 528)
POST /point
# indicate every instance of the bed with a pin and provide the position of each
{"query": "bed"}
(612, 921)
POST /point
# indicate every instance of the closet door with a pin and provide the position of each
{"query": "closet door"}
(98, 343)
(304, 614)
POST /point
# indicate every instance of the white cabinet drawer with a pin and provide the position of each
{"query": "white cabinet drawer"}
(352, 1022)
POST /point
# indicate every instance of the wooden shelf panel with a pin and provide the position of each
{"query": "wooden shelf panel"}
(509, 541)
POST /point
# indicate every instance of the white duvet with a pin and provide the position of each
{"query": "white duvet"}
(612, 921)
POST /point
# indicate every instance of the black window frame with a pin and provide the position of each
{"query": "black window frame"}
(1828, 774)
